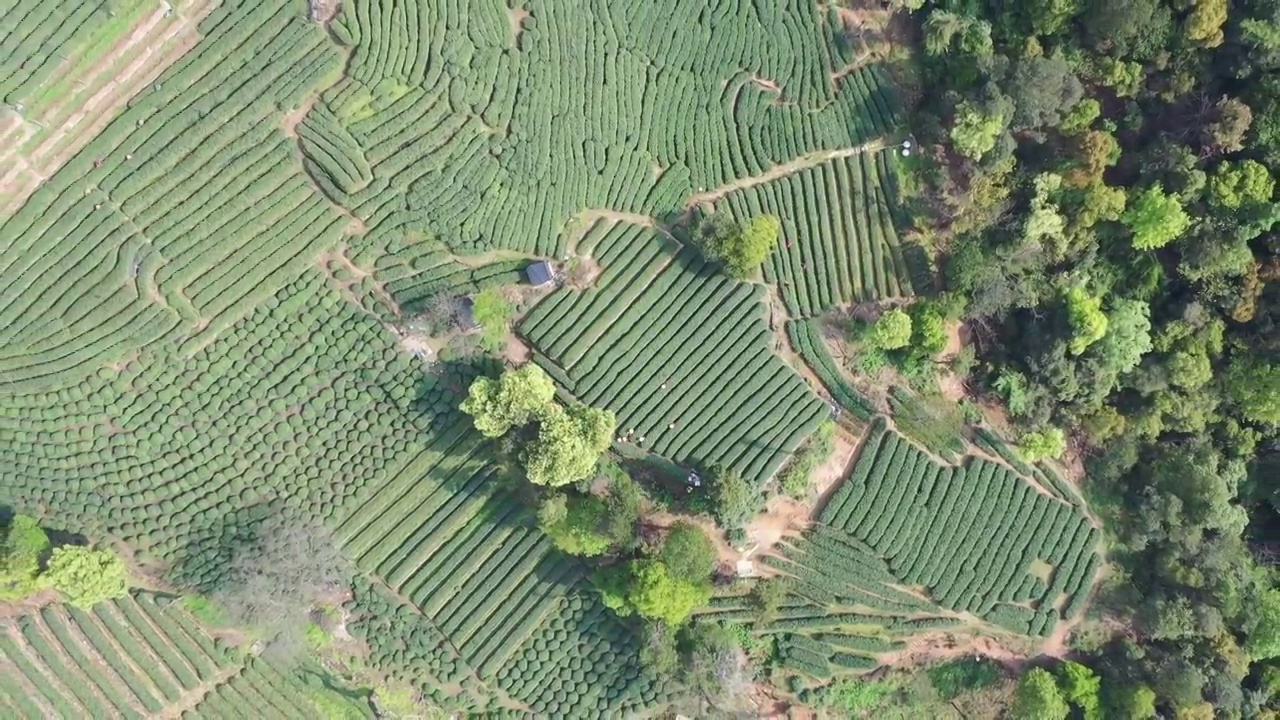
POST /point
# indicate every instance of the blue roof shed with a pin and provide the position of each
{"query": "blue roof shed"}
(539, 273)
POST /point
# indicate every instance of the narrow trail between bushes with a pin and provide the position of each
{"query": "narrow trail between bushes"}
(804, 162)
(193, 697)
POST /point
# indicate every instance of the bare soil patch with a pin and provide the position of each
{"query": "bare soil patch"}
(929, 648)
(837, 465)
(27, 605)
(584, 273)
(515, 17)
(322, 11)
(515, 350)
(291, 119)
(783, 517)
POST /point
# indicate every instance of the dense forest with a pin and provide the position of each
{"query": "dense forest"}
(1097, 179)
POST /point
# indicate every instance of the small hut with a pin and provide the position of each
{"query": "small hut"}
(540, 273)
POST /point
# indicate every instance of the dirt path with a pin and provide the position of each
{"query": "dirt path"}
(837, 466)
(490, 257)
(515, 350)
(804, 162)
(583, 220)
(193, 697)
(515, 17)
(931, 647)
(339, 255)
(28, 605)
(289, 123)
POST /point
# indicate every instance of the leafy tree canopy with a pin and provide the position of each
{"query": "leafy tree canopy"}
(512, 400)
(1080, 687)
(1041, 444)
(928, 328)
(1234, 185)
(891, 331)
(741, 249)
(574, 523)
(975, 129)
(733, 499)
(954, 678)
(1044, 90)
(1204, 25)
(1254, 387)
(687, 551)
(86, 576)
(1088, 322)
(1156, 219)
(1128, 335)
(657, 593)
(1038, 697)
(1136, 28)
(25, 546)
(1264, 631)
(568, 444)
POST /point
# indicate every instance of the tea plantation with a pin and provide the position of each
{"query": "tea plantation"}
(968, 534)
(141, 655)
(201, 322)
(680, 352)
(908, 544)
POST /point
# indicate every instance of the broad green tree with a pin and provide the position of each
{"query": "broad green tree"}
(1263, 634)
(491, 311)
(575, 524)
(1131, 702)
(975, 130)
(658, 594)
(25, 544)
(568, 444)
(512, 400)
(928, 329)
(86, 576)
(1156, 219)
(1203, 26)
(1041, 444)
(1254, 387)
(1234, 185)
(733, 499)
(1038, 697)
(687, 551)
(891, 331)
(740, 248)
(1088, 322)
(1080, 687)
(1081, 116)
(1043, 89)
(1128, 336)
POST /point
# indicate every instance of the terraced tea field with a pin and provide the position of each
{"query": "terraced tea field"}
(67, 66)
(908, 544)
(679, 352)
(134, 657)
(203, 290)
(839, 244)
